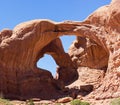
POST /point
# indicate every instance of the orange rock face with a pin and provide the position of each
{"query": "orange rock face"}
(100, 47)
(97, 46)
(85, 52)
(20, 49)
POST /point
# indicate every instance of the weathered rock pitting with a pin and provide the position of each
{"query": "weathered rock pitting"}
(21, 48)
(102, 28)
(97, 46)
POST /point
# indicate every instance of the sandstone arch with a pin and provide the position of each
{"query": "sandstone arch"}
(20, 76)
(22, 47)
(107, 25)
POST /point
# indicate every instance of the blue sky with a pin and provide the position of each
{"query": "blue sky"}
(13, 12)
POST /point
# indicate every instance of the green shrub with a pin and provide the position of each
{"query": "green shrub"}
(75, 102)
(45, 104)
(4, 102)
(79, 102)
(30, 102)
(84, 103)
(115, 101)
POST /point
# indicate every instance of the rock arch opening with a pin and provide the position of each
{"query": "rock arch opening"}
(47, 63)
(55, 55)
(67, 41)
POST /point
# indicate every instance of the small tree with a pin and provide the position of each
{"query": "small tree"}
(79, 102)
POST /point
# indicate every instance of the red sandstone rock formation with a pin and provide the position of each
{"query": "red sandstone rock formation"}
(85, 52)
(21, 48)
(103, 29)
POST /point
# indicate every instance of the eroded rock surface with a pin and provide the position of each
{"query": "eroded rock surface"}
(102, 28)
(97, 47)
(20, 50)
(85, 52)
